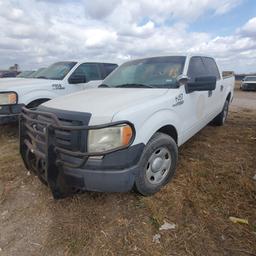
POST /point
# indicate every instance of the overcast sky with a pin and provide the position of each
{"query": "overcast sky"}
(35, 33)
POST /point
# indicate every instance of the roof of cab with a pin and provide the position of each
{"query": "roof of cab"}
(95, 61)
(189, 55)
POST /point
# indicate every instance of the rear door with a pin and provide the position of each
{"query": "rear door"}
(214, 97)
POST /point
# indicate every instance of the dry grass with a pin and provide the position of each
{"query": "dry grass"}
(213, 182)
(237, 85)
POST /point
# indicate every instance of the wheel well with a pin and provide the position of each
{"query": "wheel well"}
(37, 102)
(171, 131)
(229, 97)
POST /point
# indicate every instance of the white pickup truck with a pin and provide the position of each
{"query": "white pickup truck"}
(59, 79)
(248, 83)
(126, 133)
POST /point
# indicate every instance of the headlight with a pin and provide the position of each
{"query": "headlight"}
(109, 138)
(7, 98)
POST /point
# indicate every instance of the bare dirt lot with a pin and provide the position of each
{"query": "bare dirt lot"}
(244, 99)
(214, 181)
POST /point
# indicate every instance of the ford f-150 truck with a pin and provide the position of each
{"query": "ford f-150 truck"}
(126, 133)
(59, 79)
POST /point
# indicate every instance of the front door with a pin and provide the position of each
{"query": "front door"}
(195, 107)
(215, 97)
(92, 77)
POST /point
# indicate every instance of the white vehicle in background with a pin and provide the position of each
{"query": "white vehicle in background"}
(23, 74)
(36, 73)
(125, 134)
(59, 79)
(248, 83)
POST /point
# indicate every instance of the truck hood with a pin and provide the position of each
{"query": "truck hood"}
(249, 82)
(3, 80)
(104, 103)
(18, 83)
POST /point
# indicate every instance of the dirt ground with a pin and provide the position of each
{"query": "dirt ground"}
(244, 99)
(214, 181)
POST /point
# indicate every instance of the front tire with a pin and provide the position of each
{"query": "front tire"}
(157, 164)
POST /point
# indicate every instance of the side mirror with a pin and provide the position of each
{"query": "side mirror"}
(77, 79)
(182, 79)
(203, 83)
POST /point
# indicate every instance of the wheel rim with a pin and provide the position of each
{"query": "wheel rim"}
(158, 165)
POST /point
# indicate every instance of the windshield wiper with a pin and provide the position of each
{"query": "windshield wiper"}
(42, 77)
(104, 85)
(134, 85)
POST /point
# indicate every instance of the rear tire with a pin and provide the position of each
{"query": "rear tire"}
(157, 164)
(221, 118)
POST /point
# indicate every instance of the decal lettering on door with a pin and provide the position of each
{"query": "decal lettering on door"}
(178, 100)
(58, 87)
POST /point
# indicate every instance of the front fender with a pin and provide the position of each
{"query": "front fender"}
(147, 121)
(35, 95)
(155, 122)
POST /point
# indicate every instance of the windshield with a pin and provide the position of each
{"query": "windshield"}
(57, 71)
(251, 78)
(157, 72)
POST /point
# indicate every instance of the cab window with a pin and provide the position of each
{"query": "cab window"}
(211, 67)
(109, 68)
(89, 70)
(196, 68)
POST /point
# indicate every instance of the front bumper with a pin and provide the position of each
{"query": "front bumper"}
(249, 87)
(116, 176)
(100, 181)
(53, 150)
(10, 113)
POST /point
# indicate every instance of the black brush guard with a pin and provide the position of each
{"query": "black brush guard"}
(44, 155)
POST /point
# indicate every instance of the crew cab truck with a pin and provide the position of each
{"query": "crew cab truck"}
(126, 133)
(59, 79)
